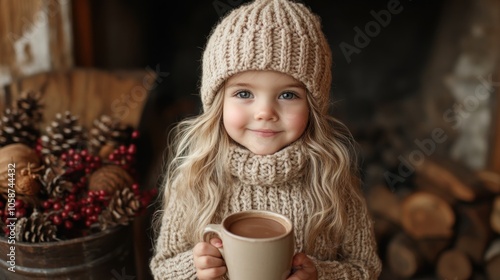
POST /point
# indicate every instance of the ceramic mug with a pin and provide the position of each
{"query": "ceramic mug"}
(256, 244)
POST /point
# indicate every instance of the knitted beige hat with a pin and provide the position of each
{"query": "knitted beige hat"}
(278, 35)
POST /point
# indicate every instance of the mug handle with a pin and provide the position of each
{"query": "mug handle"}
(215, 229)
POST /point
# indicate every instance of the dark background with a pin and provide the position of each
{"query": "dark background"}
(132, 33)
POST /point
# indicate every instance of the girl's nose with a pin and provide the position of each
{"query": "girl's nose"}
(266, 111)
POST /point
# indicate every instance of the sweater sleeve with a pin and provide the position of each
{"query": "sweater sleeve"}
(173, 256)
(359, 251)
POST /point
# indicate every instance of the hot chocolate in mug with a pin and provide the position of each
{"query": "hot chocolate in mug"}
(256, 244)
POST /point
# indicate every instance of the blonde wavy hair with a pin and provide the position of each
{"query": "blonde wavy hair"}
(197, 171)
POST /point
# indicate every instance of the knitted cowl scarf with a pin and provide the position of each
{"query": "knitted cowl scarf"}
(282, 166)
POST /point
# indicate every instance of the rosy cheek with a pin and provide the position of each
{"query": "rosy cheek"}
(298, 119)
(299, 124)
(233, 117)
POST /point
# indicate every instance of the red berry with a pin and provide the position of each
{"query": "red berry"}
(68, 224)
(132, 149)
(84, 153)
(20, 213)
(144, 201)
(56, 220)
(89, 211)
(57, 206)
(64, 215)
(88, 223)
(77, 217)
(68, 207)
(122, 149)
(135, 134)
(19, 204)
(76, 157)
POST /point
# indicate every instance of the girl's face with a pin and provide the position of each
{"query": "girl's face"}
(264, 111)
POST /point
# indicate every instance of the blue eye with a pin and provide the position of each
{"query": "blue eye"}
(243, 94)
(288, 95)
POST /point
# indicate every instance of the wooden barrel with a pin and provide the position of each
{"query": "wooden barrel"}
(104, 255)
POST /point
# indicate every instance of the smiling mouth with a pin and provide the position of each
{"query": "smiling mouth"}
(265, 132)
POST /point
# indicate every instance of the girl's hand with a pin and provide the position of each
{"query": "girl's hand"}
(304, 268)
(208, 260)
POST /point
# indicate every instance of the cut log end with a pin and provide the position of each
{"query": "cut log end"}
(454, 264)
(402, 257)
(425, 215)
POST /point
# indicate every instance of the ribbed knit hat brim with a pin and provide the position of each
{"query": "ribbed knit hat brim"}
(278, 35)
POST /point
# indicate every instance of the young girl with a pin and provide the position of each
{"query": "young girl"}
(265, 141)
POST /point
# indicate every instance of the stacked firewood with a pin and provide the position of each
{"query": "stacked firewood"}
(443, 220)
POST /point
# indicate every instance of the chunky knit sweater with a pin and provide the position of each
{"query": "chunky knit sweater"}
(274, 182)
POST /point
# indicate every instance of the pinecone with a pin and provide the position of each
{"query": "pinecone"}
(35, 228)
(63, 134)
(107, 131)
(121, 209)
(30, 105)
(53, 180)
(17, 127)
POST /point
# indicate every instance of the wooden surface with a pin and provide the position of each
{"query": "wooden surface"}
(425, 215)
(451, 177)
(495, 215)
(35, 36)
(86, 93)
(403, 257)
(492, 259)
(82, 30)
(474, 232)
(494, 160)
(454, 264)
(105, 255)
